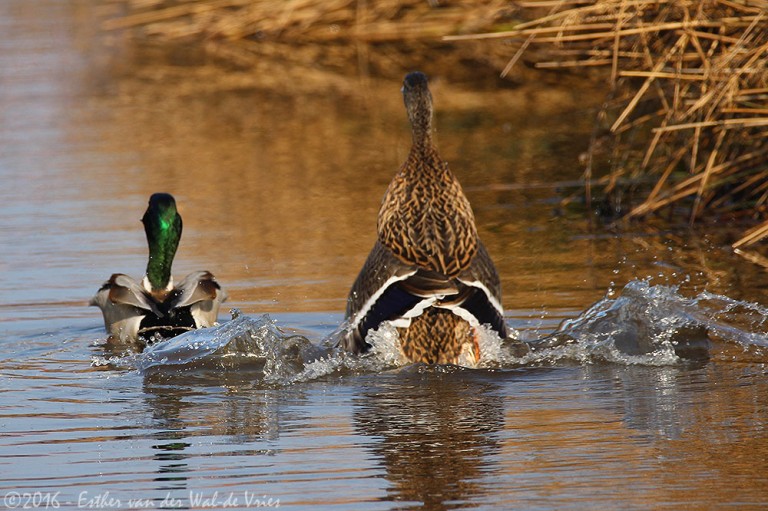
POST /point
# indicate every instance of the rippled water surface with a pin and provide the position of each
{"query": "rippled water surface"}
(639, 381)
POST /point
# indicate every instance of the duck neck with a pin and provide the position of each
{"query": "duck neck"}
(158, 276)
(420, 116)
(163, 235)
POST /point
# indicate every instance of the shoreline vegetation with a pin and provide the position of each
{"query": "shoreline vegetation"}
(683, 130)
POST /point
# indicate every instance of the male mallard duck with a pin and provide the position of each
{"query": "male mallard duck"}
(428, 272)
(134, 311)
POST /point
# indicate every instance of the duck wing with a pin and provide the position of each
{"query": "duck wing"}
(387, 289)
(124, 305)
(202, 294)
(121, 289)
(480, 296)
(372, 299)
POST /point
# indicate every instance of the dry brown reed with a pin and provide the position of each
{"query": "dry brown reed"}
(689, 96)
(310, 20)
(333, 35)
(689, 88)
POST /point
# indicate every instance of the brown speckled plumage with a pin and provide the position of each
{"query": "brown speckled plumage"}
(438, 336)
(427, 256)
(425, 218)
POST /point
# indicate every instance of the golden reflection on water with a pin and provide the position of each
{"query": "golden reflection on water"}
(279, 191)
(434, 435)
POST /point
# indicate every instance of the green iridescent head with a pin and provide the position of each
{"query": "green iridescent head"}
(162, 224)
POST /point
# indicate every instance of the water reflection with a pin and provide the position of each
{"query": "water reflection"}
(227, 413)
(232, 409)
(434, 434)
(722, 438)
(654, 401)
(173, 471)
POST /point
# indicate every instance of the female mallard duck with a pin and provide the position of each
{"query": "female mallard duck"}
(428, 272)
(139, 312)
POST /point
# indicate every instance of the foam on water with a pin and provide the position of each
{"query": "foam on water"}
(644, 325)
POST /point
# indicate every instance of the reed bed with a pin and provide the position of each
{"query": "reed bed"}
(381, 36)
(309, 20)
(688, 105)
(688, 102)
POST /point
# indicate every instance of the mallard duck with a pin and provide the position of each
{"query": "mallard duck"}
(428, 272)
(155, 307)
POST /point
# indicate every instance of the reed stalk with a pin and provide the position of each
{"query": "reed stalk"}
(693, 78)
(688, 79)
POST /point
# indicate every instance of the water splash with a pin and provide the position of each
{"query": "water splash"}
(656, 326)
(256, 347)
(244, 343)
(642, 325)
